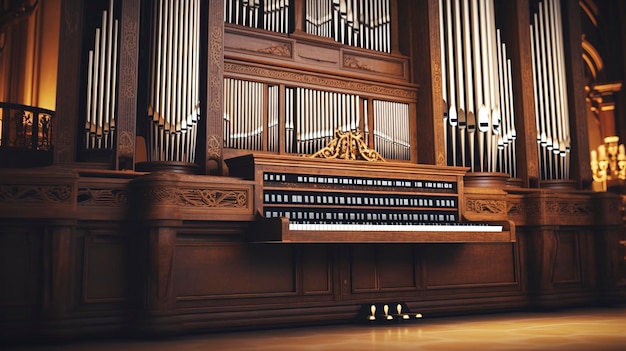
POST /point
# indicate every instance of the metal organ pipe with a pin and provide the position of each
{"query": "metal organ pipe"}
(174, 92)
(551, 103)
(471, 53)
(101, 89)
(361, 23)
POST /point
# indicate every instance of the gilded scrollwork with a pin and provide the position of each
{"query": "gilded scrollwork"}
(348, 146)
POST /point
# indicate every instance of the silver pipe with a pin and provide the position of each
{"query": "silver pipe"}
(462, 119)
(452, 111)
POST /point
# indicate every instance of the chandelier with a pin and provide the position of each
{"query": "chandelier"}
(608, 163)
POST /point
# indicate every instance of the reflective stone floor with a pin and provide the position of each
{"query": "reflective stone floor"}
(579, 329)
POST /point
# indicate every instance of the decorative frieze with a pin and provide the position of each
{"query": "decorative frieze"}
(208, 197)
(61, 193)
(101, 197)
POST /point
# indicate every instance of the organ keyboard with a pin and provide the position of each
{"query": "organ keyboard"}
(301, 199)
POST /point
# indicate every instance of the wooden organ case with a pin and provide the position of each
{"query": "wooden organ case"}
(248, 230)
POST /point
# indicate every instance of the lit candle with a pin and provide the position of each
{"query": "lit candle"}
(602, 152)
(594, 156)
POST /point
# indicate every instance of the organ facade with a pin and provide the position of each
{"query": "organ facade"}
(229, 164)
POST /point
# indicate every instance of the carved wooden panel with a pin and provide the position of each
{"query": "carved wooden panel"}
(20, 263)
(396, 267)
(452, 265)
(363, 268)
(221, 270)
(383, 268)
(105, 266)
(316, 270)
(567, 260)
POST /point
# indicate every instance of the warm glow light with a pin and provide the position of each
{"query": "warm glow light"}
(608, 163)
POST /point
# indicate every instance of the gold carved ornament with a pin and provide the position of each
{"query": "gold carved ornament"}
(348, 146)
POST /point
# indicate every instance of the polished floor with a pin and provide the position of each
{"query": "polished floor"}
(580, 329)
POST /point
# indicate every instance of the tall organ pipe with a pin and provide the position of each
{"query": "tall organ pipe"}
(474, 84)
(101, 108)
(551, 101)
(174, 101)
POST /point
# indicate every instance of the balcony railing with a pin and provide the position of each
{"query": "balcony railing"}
(25, 135)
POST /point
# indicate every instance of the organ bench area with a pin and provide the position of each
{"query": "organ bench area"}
(328, 200)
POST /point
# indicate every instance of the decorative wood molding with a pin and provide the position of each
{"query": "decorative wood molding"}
(353, 62)
(481, 206)
(214, 147)
(282, 50)
(36, 193)
(101, 197)
(318, 80)
(194, 197)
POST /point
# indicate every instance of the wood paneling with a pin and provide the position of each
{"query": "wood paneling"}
(20, 259)
(211, 270)
(453, 265)
(316, 270)
(383, 268)
(396, 267)
(567, 261)
(105, 267)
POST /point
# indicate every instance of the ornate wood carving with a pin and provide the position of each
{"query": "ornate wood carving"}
(127, 108)
(348, 146)
(481, 206)
(208, 197)
(101, 197)
(353, 62)
(215, 82)
(282, 50)
(38, 193)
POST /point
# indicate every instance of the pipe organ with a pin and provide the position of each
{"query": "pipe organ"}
(272, 15)
(317, 114)
(360, 23)
(551, 102)
(101, 109)
(327, 171)
(391, 129)
(174, 101)
(311, 118)
(479, 117)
